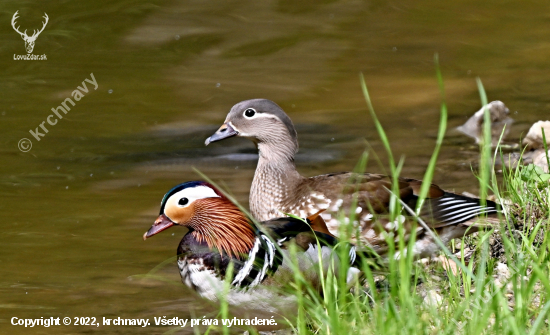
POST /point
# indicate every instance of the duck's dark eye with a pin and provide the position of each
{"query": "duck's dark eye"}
(183, 201)
(249, 112)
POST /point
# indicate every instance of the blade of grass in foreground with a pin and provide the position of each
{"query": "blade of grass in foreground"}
(485, 158)
(394, 171)
(428, 175)
(431, 166)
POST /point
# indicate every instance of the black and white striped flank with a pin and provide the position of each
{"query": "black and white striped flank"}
(263, 260)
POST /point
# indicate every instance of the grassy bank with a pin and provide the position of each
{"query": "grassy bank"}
(494, 282)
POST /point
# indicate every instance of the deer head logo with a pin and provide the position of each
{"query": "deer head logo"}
(29, 40)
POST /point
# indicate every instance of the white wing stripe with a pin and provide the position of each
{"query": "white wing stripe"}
(471, 208)
(455, 206)
(352, 255)
(270, 249)
(448, 201)
(261, 275)
(245, 270)
(469, 215)
(269, 256)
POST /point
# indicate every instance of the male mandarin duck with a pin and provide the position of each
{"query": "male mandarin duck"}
(278, 187)
(220, 234)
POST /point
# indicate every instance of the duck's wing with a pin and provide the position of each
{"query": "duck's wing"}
(365, 199)
(287, 229)
(371, 194)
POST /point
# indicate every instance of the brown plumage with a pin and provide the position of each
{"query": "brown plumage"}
(223, 226)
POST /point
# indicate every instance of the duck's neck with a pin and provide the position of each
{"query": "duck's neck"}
(221, 224)
(275, 177)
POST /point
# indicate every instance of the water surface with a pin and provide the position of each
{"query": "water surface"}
(75, 206)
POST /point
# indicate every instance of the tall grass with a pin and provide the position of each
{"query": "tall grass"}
(486, 294)
(509, 295)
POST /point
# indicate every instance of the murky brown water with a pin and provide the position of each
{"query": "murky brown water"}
(75, 206)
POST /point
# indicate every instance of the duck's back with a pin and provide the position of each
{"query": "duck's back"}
(364, 199)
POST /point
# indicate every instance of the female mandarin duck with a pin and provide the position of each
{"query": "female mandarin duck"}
(278, 188)
(219, 234)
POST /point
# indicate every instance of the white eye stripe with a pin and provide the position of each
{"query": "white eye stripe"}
(192, 194)
(256, 114)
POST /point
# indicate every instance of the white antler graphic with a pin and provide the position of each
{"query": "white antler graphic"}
(29, 40)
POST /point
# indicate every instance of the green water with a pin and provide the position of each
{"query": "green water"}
(75, 206)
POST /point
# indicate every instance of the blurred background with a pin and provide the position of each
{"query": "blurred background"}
(74, 207)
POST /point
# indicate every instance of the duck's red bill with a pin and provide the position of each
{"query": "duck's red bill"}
(161, 223)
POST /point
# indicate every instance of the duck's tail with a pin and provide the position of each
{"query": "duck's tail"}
(455, 209)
